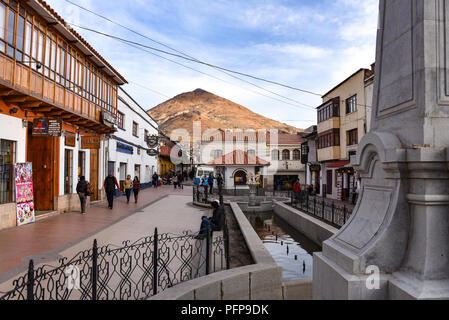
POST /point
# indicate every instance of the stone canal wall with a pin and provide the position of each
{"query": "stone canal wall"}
(259, 281)
(314, 229)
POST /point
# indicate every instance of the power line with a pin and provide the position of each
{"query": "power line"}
(130, 43)
(182, 53)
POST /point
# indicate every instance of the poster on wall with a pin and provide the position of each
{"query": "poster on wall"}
(339, 186)
(23, 173)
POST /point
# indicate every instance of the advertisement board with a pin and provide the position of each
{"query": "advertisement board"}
(23, 175)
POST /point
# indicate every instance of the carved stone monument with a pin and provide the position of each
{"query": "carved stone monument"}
(401, 222)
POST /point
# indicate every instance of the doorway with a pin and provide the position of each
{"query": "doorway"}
(93, 178)
(68, 171)
(42, 152)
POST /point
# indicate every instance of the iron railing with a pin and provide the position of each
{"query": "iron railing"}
(325, 210)
(134, 271)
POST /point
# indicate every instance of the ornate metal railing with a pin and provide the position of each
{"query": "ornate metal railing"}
(325, 210)
(134, 271)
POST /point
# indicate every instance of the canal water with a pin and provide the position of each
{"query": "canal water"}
(290, 249)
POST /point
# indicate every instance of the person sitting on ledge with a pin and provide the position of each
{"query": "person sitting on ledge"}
(215, 222)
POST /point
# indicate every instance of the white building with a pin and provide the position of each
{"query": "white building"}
(127, 149)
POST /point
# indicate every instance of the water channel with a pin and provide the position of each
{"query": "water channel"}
(290, 249)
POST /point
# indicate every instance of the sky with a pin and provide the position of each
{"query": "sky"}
(308, 44)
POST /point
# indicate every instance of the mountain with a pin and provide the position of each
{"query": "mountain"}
(213, 111)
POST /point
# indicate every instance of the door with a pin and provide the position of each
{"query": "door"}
(68, 171)
(93, 178)
(40, 152)
(137, 171)
(329, 183)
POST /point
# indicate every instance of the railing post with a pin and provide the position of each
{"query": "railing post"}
(333, 212)
(155, 260)
(344, 214)
(226, 235)
(322, 212)
(198, 193)
(314, 206)
(30, 283)
(205, 195)
(208, 243)
(307, 204)
(94, 269)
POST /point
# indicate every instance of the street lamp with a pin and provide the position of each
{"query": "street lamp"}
(38, 64)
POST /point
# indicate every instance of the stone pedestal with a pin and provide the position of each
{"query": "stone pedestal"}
(400, 224)
(252, 195)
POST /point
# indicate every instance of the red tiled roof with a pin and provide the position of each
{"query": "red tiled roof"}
(285, 139)
(239, 157)
(81, 39)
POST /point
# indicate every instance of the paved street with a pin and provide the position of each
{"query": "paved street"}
(165, 208)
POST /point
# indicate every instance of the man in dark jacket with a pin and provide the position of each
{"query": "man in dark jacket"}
(216, 222)
(109, 186)
(210, 181)
(155, 179)
(81, 189)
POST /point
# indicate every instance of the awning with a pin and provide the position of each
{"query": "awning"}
(339, 164)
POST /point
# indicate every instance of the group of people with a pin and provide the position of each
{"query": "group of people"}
(207, 182)
(178, 180)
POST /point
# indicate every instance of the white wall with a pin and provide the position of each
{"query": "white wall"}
(132, 113)
(11, 129)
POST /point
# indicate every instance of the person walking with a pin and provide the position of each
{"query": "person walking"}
(81, 189)
(128, 187)
(210, 181)
(297, 190)
(205, 184)
(136, 188)
(155, 180)
(175, 181)
(181, 180)
(109, 186)
(220, 183)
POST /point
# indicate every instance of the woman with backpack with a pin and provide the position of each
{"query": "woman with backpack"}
(136, 188)
(81, 189)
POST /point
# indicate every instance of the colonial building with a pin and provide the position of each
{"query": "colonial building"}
(128, 150)
(342, 122)
(313, 172)
(285, 164)
(58, 100)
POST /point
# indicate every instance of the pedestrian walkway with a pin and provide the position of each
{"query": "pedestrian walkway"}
(48, 239)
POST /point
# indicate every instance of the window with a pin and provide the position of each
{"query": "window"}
(351, 104)
(329, 110)
(252, 152)
(135, 129)
(352, 137)
(10, 34)
(330, 138)
(7, 160)
(120, 120)
(296, 154)
(286, 154)
(2, 26)
(275, 155)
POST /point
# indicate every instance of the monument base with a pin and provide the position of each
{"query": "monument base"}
(331, 282)
(406, 286)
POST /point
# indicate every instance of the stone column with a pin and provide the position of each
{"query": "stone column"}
(401, 222)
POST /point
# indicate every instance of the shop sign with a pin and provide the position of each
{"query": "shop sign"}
(70, 139)
(90, 142)
(315, 168)
(121, 147)
(152, 141)
(47, 127)
(23, 173)
(152, 152)
(108, 119)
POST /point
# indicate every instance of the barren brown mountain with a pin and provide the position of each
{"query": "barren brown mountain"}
(213, 111)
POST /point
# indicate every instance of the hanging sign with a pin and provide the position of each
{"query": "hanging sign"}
(90, 142)
(54, 127)
(70, 139)
(23, 173)
(152, 152)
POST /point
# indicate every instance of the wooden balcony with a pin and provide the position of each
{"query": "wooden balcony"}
(31, 91)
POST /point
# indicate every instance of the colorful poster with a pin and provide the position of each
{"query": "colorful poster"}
(339, 186)
(24, 193)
